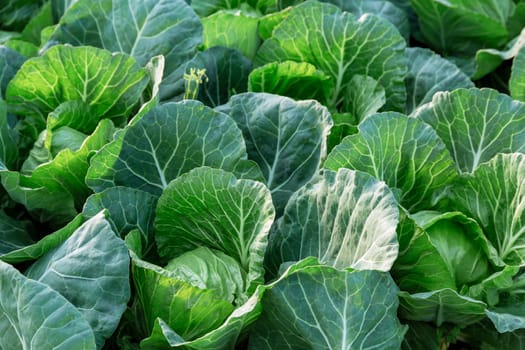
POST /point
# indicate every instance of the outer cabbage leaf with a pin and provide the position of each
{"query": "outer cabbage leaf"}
(517, 78)
(346, 219)
(110, 84)
(168, 141)
(91, 270)
(429, 73)
(227, 73)
(287, 139)
(384, 9)
(476, 124)
(142, 29)
(404, 152)
(494, 196)
(43, 246)
(210, 207)
(461, 27)
(298, 80)
(127, 209)
(341, 45)
(440, 306)
(34, 315)
(319, 307)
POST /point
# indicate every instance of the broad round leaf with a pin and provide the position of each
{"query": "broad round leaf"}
(494, 196)
(429, 73)
(404, 152)
(168, 141)
(141, 28)
(341, 45)
(476, 124)
(319, 307)
(91, 270)
(210, 207)
(110, 84)
(287, 139)
(346, 219)
(36, 316)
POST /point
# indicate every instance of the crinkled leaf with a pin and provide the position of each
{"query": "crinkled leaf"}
(227, 73)
(210, 207)
(43, 246)
(476, 124)
(91, 270)
(319, 307)
(517, 78)
(363, 96)
(298, 80)
(35, 315)
(110, 84)
(235, 30)
(168, 141)
(341, 45)
(404, 152)
(287, 139)
(440, 306)
(494, 195)
(142, 29)
(429, 73)
(346, 219)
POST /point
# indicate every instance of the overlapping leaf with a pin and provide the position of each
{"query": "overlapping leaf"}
(91, 270)
(210, 207)
(287, 139)
(494, 196)
(346, 219)
(476, 124)
(33, 313)
(341, 45)
(404, 152)
(168, 141)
